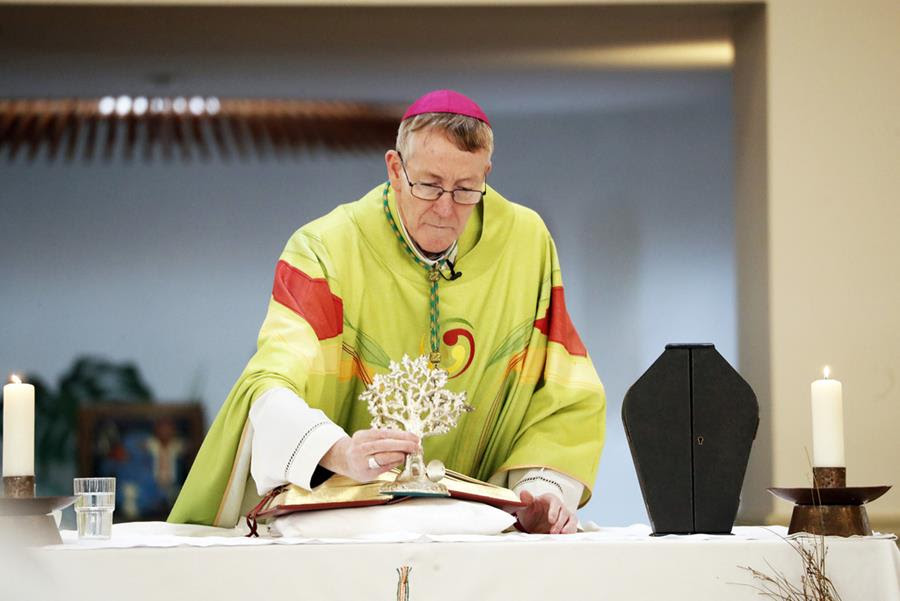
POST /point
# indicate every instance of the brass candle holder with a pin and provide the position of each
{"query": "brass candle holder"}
(830, 507)
(18, 487)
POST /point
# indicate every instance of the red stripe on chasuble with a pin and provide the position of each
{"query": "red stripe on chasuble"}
(557, 326)
(310, 298)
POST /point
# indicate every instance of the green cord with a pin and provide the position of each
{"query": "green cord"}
(433, 275)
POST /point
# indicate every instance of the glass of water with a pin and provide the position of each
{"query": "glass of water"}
(95, 500)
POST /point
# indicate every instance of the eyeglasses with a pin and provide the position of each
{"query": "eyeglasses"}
(431, 192)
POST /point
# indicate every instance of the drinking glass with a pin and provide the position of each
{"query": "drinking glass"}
(95, 500)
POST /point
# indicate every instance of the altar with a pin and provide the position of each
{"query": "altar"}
(155, 560)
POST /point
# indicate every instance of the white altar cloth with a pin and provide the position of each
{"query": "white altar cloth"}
(163, 561)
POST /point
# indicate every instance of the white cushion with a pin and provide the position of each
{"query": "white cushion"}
(415, 516)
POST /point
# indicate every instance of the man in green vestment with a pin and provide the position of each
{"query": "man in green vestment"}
(432, 261)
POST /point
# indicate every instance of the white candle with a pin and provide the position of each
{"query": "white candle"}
(18, 428)
(827, 422)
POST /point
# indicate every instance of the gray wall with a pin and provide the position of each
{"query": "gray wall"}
(640, 206)
(170, 265)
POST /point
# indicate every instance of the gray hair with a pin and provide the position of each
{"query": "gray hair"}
(467, 133)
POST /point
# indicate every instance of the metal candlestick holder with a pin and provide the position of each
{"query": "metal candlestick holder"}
(25, 518)
(831, 507)
(18, 487)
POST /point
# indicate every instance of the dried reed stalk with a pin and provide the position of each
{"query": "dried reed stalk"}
(814, 585)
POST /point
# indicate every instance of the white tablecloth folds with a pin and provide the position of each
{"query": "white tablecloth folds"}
(155, 560)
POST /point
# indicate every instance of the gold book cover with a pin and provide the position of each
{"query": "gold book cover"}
(342, 492)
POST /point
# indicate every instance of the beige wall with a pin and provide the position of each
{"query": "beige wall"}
(818, 244)
(834, 231)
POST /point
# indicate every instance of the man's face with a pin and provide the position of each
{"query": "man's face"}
(433, 159)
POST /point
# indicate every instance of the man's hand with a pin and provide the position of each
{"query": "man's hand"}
(545, 514)
(350, 455)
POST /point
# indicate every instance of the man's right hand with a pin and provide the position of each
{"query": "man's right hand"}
(350, 455)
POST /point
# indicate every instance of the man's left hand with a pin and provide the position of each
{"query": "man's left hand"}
(545, 514)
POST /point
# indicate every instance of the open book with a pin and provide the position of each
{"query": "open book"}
(341, 491)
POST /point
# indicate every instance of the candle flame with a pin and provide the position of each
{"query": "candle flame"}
(15, 379)
(826, 371)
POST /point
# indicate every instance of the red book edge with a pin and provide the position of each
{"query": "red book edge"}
(280, 510)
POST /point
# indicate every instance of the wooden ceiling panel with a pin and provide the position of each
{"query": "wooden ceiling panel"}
(183, 128)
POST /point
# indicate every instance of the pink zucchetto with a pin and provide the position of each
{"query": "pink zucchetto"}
(446, 101)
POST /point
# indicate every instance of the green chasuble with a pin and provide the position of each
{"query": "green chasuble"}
(348, 298)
